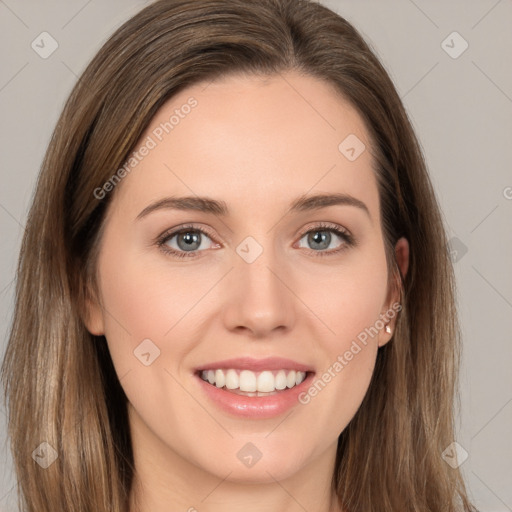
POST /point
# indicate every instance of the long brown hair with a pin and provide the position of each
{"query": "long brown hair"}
(60, 384)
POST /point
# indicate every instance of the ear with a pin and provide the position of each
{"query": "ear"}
(402, 260)
(93, 314)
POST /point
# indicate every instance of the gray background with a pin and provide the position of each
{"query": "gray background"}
(460, 107)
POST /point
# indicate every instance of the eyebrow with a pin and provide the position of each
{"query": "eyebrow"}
(215, 207)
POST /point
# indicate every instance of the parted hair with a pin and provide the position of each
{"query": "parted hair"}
(59, 380)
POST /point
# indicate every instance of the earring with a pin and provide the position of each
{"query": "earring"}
(388, 329)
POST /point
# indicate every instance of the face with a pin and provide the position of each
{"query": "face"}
(263, 275)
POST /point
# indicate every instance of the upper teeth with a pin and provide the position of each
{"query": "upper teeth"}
(246, 380)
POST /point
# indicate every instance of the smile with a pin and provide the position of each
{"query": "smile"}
(251, 383)
(254, 388)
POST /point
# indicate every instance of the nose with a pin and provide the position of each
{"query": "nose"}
(258, 296)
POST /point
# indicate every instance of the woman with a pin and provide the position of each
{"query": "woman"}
(234, 289)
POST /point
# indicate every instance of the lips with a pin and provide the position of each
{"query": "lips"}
(257, 365)
(255, 405)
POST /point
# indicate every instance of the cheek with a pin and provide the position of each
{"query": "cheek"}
(145, 302)
(147, 299)
(348, 299)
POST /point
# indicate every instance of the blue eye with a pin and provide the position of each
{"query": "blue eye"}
(321, 237)
(190, 240)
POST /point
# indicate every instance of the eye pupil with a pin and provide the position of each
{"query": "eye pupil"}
(190, 238)
(324, 236)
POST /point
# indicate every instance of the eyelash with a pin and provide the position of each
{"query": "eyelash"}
(347, 238)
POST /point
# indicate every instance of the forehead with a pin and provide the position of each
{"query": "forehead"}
(253, 141)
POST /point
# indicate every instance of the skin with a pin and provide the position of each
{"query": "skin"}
(256, 144)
